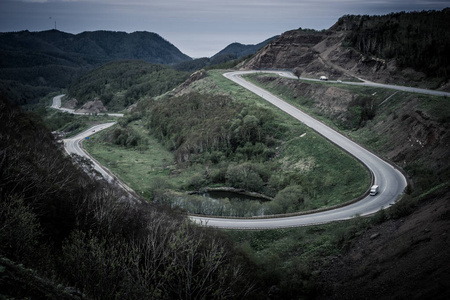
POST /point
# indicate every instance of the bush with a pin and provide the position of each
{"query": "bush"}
(404, 207)
(20, 230)
(244, 176)
(288, 200)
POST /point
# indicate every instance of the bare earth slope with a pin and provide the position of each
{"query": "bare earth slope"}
(399, 259)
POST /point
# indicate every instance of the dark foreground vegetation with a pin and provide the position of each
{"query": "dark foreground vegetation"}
(59, 225)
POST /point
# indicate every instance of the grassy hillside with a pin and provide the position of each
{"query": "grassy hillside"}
(408, 129)
(222, 135)
(354, 259)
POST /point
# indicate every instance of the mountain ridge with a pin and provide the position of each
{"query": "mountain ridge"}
(397, 48)
(241, 50)
(107, 45)
(45, 61)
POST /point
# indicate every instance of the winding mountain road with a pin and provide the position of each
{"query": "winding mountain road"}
(390, 180)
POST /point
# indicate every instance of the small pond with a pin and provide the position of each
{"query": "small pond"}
(222, 194)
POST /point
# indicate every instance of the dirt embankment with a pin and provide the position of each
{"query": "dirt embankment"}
(95, 106)
(92, 107)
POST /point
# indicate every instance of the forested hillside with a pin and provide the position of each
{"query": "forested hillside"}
(419, 40)
(121, 83)
(61, 227)
(34, 63)
(399, 48)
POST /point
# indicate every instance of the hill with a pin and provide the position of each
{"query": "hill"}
(34, 63)
(121, 83)
(239, 50)
(400, 48)
(228, 57)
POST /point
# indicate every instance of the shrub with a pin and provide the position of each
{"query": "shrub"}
(244, 176)
(288, 200)
(20, 229)
(403, 207)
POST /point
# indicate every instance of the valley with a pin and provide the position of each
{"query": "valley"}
(104, 195)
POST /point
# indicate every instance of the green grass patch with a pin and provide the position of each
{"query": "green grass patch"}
(137, 167)
(328, 174)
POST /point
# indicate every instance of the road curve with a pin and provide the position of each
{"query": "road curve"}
(390, 180)
(72, 146)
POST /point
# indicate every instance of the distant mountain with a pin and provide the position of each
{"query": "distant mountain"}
(26, 48)
(239, 50)
(225, 58)
(52, 59)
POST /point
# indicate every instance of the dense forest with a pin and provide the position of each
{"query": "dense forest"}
(59, 224)
(121, 83)
(419, 40)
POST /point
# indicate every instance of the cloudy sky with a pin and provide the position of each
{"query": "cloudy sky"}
(197, 27)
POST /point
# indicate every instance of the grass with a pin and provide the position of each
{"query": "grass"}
(137, 168)
(341, 177)
(306, 103)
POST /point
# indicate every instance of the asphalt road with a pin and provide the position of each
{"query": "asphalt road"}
(368, 83)
(72, 146)
(390, 180)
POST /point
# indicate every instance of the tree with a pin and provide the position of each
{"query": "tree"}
(298, 72)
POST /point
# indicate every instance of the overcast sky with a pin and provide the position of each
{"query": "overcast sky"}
(197, 27)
